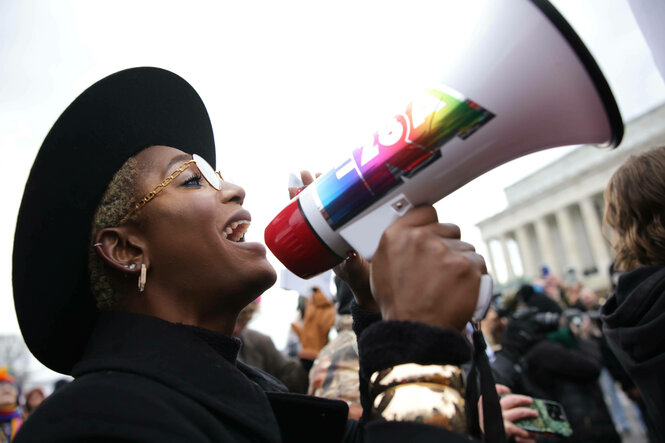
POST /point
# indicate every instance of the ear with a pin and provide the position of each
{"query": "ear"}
(121, 249)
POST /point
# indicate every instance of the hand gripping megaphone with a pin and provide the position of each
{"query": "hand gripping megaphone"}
(524, 83)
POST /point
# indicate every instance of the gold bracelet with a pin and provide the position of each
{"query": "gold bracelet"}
(431, 394)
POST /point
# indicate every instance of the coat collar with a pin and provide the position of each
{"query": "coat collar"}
(178, 357)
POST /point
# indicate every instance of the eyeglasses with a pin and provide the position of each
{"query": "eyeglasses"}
(214, 179)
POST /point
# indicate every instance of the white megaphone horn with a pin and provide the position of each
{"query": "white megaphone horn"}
(523, 83)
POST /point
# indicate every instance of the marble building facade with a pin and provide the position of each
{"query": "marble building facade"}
(554, 215)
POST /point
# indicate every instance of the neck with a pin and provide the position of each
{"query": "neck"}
(212, 316)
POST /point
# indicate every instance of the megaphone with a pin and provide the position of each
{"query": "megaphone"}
(525, 82)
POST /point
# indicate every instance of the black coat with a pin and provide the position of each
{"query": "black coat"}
(634, 323)
(570, 376)
(259, 351)
(145, 379)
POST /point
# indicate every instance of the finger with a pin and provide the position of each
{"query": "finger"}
(318, 174)
(306, 177)
(510, 401)
(457, 245)
(502, 389)
(519, 413)
(449, 230)
(293, 191)
(513, 430)
(357, 266)
(449, 233)
(525, 440)
(419, 216)
(478, 261)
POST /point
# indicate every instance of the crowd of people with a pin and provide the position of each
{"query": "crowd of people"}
(546, 341)
(16, 406)
(146, 288)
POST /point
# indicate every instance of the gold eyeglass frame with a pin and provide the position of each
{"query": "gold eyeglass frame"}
(198, 160)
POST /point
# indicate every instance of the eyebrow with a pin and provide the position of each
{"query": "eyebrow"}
(180, 158)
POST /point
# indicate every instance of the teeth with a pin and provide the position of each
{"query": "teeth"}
(235, 231)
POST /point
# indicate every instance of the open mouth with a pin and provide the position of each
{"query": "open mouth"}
(235, 231)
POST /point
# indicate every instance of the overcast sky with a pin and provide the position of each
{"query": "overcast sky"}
(288, 85)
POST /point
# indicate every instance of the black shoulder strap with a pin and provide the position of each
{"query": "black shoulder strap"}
(492, 417)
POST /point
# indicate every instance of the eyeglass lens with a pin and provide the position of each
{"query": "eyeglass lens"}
(208, 172)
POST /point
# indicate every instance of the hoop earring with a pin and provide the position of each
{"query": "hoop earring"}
(142, 277)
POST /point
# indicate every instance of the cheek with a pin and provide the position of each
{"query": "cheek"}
(182, 244)
(187, 218)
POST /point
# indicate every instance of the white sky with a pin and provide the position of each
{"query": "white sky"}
(288, 85)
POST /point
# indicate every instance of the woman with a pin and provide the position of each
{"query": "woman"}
(634, 316)
(130, 268)
(33, 398)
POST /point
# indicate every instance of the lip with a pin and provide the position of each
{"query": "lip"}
(242, 214)
(253, 246)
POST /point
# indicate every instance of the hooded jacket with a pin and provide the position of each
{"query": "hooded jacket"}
(634, 322)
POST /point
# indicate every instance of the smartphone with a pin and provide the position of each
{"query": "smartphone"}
(551, 419)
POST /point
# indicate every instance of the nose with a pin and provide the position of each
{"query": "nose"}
(232, 193)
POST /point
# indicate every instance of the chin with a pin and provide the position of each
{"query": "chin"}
(263, 279)
(271, 276)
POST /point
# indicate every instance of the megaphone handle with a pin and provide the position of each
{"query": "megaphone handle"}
(484, 297)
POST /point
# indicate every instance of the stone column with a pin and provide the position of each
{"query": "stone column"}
(526, 253)
(592, 224)
(490, 259)
(570, 243)
(546, 246)
(506, 257)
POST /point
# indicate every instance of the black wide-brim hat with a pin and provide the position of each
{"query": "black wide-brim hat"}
(107, 124)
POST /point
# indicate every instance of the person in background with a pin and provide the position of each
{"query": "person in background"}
(258, 350)
(589, 300)
(550, 285)
(10, 414)
(534, 297)
(572, 296)
(492, 326)
(634, 315)
(33, 398)
(334, 373)
(313, 330)
(619, 373)
(544, 355)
